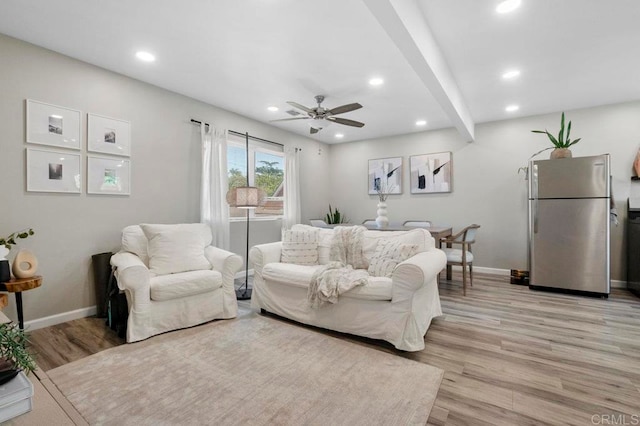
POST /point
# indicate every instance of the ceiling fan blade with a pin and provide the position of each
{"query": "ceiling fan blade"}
(345, 108)
(345, 121)
(313, 131)
(302, 107)
(289, 119)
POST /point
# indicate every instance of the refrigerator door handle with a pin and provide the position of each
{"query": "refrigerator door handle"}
(534, 195)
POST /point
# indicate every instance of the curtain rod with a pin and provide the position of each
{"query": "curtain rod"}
(233, 132)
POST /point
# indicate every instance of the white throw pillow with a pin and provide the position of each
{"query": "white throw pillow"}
(387, 256)
(177, 248)
(300, 247)
(134, 241)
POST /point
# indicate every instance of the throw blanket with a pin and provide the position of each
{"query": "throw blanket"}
(339, 275)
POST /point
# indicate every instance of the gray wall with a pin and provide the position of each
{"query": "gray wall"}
(165, 169)
(487, 188)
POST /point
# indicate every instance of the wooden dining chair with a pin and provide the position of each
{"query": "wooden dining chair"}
(318, 222)
(369, 222)
(417, 224)
(462, 256)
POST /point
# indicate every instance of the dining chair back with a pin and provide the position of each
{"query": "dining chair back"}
(462, 256)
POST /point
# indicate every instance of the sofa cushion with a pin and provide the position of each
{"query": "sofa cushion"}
(173, 286)
(387, 256)
(177, 248)
(134, 241)
(325, 236)
(300, 247)
(377, 288)
(421, 237)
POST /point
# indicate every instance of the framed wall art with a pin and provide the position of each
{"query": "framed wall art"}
(53, 171)
(53, 125)
(385, 175)
(108, 135)
(108, 175)
(430, 173)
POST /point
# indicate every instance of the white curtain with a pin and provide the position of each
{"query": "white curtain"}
(214, 209)
(291, 188)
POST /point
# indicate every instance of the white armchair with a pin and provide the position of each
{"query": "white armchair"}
(173, 278)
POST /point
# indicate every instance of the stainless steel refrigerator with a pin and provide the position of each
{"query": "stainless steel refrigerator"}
(569, 205)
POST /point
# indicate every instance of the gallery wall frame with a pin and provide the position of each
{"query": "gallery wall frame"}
(53, 125)
(108, 175)
(431, 173)
(385, 175)
(108, 135)
(53, 171)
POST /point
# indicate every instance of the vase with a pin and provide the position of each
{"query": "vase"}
(25, 264)
(560, 153)
(382, 220)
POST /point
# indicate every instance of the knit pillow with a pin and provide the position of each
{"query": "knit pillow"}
(387, 256)
(300, 247)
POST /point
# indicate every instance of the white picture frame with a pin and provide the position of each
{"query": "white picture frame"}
(53, 171)
(385, 174)
(108, 135)
(108, 176)
(431, 173)
(53, 125)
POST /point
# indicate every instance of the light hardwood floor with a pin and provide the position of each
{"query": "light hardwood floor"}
(512, 356)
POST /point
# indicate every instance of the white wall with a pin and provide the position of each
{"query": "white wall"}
(165, 169)
(486, 186)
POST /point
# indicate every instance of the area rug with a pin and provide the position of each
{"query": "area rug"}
(251, 370)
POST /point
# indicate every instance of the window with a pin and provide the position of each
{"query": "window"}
(266, 171)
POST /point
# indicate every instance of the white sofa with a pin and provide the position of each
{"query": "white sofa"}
(173, 278)
(398, 310)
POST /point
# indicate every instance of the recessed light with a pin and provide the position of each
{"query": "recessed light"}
(512, 108)
(511, 74)
(377, 81)
(145, 56)
(273, 108)
(421, 123)
(508, 6)
(339, 136)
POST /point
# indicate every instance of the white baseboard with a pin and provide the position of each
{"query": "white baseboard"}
(507, 272)
(60, 318)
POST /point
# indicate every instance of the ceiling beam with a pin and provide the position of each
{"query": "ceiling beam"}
(405, 24)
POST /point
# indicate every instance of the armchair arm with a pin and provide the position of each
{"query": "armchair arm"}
(225, 262)
(409, 276)
(262, 254)
(123, 260)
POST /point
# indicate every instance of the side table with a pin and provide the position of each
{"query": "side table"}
(17, 286)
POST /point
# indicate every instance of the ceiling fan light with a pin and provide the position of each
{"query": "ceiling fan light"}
(376, 81)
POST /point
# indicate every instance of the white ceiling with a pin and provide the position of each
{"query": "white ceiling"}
(246, 55)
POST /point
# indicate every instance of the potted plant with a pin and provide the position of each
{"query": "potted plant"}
(561, 143)
(14, 356)
(334, 217)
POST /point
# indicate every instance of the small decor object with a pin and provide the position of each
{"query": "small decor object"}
(53, 171)
(53, 125)
(385, 176)
(108, 135)
(25, 264)
(430, 173)
(382, 220)
(335, 217)
(108, 175)
(562, 143)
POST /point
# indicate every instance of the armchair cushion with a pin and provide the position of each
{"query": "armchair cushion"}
(177, 248)
(173, 286)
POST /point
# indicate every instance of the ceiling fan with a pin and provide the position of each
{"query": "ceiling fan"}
(320, 114)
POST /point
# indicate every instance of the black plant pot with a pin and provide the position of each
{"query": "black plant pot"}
(5, 273)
